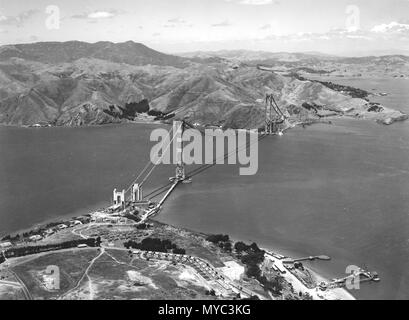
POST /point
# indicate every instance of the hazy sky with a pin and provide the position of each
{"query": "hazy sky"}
(349, 27)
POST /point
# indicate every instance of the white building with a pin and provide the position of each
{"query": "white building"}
(5, 245)
(36, 237)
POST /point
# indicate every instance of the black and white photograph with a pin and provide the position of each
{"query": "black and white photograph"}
(220, 151)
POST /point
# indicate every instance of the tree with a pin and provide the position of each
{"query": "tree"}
(228, 246)
(240, 247)
(217, 238)
(253, 271)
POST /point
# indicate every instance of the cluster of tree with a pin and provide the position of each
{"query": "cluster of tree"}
(42, 229)
(132, 217)
(155, 113)
(375, 107)
(241, 247)
(216, 238)
(313, 71)
(252, 261)
(161, 116)
(252, 256)
(274, 285)
(154, 244)
(11, 238)
(179, 251)
(129, 111)
(221, 240)
(311, 107)
(24, 251)
(2, 258)
(351, 91)
(142, 226)
(133, 108)
(211, 293)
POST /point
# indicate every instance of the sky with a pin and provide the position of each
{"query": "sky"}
(341, 27)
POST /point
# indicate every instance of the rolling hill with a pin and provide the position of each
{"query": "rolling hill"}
(77, 83)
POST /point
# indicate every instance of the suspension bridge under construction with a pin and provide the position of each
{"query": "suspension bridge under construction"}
(134, 196)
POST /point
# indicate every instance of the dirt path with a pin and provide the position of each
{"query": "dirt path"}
(85, 275)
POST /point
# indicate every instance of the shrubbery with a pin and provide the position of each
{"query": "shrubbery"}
(154, 244)
(223, 241)
(216, 238)
(252, 256)
(24, 251)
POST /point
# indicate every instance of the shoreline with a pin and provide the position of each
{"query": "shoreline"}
(334, 294)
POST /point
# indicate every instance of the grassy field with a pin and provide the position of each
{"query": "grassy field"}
(71, 264)
(117, 275)
(10, 293)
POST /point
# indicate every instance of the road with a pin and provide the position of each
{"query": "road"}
(26, 292)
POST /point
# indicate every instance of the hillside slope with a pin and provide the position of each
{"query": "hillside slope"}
(59, 52)
(98, 91)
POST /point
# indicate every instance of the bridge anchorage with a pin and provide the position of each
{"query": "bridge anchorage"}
(273, 122)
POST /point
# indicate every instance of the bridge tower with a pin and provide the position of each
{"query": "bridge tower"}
(137, 193)
(272, 122)
(119, 198)
(178, 129)
(269, 121)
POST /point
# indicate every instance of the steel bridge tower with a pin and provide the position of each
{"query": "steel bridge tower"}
(178, 129)
(272, 122)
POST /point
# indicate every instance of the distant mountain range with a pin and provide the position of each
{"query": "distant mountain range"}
(251, 56)
(129, 52)
(76, 83)
(248, 55)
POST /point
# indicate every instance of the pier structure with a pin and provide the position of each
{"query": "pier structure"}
(310, 258)
(360, 276)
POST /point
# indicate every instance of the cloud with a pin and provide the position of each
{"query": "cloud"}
(255, 2)
(390, 32)
(97, 15)
(101, 15)
(176, 22)
(266, 27)
(391, 28)
(33, 38)
(18, 20)
(225, 23)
